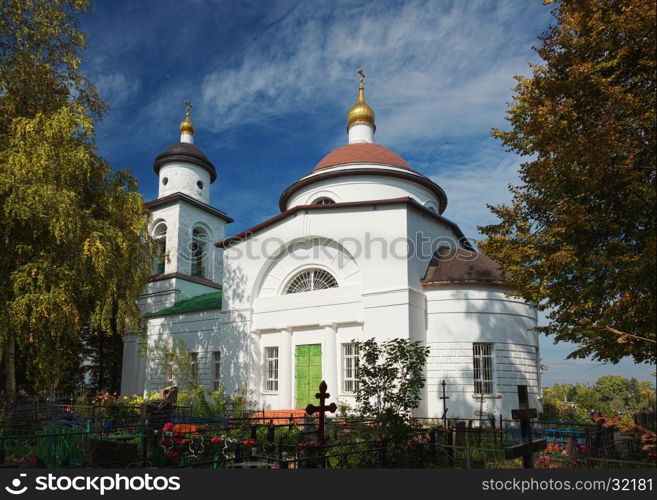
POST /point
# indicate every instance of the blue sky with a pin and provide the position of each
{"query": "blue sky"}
(271, 83)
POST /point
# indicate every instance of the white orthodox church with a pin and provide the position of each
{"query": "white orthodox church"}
(360, 249)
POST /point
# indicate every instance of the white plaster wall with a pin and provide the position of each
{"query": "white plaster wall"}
(181, 219)
(133, 369)
(360, 188)
(458, 316)
(203, 332)
(183, 178)
(364, 232)
(170, 216)
(189, 218)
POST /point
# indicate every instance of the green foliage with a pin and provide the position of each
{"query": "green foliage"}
(610, 394)
(214, 404)
(391, 378)
(75, 251)
(175, 362)
(579, 238)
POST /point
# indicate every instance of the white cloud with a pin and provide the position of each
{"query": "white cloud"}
(116, 87)
(434, 67)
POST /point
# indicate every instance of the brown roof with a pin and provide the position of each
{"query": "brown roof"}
(362, 152)
(456, 265)
(366, 203)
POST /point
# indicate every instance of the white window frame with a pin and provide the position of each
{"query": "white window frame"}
(483, 365)
(350, 359)
(308, 276)
(216, 370)
(270, 356)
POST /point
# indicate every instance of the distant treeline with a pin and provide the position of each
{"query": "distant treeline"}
(611, 394)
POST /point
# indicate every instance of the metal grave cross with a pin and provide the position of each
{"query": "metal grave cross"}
(322, 395)
(527, 447)
(444, 398)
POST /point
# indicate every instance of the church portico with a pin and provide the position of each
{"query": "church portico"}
(303, 355)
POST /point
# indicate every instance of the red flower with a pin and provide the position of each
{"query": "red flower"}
(168, 426)
(217, 439)
(299, 447)
(372, 426)
(249, 442)
(343, 423)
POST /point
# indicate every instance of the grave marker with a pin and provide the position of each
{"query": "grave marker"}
(527, 447)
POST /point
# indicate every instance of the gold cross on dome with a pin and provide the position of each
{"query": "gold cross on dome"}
(362, 75)
(188, 107)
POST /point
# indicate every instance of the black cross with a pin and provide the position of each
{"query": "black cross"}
(527, 447)
(444, 398)
(322, 395)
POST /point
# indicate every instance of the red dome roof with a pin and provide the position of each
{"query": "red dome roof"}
(362, 152)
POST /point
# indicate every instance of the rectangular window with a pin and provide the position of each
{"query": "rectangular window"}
(483, 368)
(194, 358)
(271, 369)
(349, 368)
(216, 370)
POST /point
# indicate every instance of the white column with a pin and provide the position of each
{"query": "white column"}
(330, 360)
(286, 370)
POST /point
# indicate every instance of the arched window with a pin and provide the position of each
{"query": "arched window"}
(324, 200)
(199, 249)
(311, 279)
(160, 237)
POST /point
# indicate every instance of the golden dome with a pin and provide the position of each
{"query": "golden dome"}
(186, 126)
(361, 112)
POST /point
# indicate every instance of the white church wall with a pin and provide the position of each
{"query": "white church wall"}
(157, 295)
(133, 369)
(247, 262)
(184, 177)
(191, 217)
(360, 188)
(168, 215)
(299, 309)
(459, 316)
(203, 332)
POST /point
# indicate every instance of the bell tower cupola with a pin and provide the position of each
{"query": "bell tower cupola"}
(183, 166)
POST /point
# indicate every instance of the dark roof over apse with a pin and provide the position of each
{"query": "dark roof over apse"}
(457, 265)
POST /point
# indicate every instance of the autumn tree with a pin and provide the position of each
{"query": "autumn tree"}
(74, 248)
(579, 236)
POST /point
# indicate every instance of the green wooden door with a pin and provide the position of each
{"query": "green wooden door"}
(308, 373)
